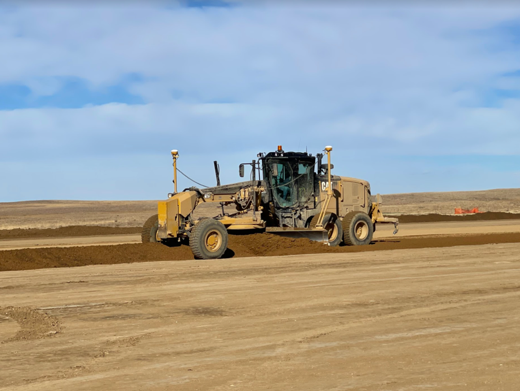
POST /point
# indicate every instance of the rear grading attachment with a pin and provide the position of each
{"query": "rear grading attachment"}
(297, 197)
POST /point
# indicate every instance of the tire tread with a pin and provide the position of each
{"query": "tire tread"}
(196, 238)
(347, 225)
(147, 228)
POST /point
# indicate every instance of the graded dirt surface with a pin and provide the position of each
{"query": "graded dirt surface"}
(67, 232)
(448, 228)
(435, 217)
(436, 318)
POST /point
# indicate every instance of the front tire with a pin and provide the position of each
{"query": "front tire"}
(333, 226)
(358, 229)
(149, 233)
(209, 239)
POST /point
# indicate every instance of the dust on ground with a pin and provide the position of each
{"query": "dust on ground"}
(33, 324)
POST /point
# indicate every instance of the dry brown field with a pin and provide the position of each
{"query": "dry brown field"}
(87, 307)
(498, 200)
(54, 214)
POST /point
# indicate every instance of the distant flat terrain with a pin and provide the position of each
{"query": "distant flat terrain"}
(55, 214)
(499, 200)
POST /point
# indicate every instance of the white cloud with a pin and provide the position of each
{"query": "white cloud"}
(375, 81)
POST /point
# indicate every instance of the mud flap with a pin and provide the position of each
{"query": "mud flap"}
(316, 234)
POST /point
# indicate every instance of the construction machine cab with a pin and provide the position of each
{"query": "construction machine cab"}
(289, 178)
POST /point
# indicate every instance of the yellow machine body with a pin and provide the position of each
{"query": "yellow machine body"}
(334, 198)
(173, 211)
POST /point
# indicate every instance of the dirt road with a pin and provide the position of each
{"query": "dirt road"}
(94, 240)
(448, 228)
(442, 319)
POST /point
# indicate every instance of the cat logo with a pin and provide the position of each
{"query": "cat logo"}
(324, 186)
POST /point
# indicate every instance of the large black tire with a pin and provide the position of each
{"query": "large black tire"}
(149, 233)
(333, 226)
(357, 229)
(208, 239)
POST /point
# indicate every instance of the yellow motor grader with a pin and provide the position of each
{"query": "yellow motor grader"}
(289, 193)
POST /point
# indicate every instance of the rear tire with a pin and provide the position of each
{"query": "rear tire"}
(358, 229)
(209, 239)
(149, 233)
(333, 226)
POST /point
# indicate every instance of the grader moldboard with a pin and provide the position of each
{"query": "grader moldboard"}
(292, 200)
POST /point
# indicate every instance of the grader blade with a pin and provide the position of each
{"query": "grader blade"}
(314, 234)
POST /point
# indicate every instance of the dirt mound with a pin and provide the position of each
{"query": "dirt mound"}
(238, 246)
(431, 218)
(264, 244)
(76, 230)
(33, 324)
(94, 255)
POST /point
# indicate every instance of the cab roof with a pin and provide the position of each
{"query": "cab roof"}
(289, 155)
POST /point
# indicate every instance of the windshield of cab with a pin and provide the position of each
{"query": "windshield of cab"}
(291, 181)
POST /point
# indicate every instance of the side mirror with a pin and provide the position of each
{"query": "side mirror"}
(274, 169)
(324, 167)
(241, 170)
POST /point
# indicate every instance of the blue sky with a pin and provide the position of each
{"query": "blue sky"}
(93, 97)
